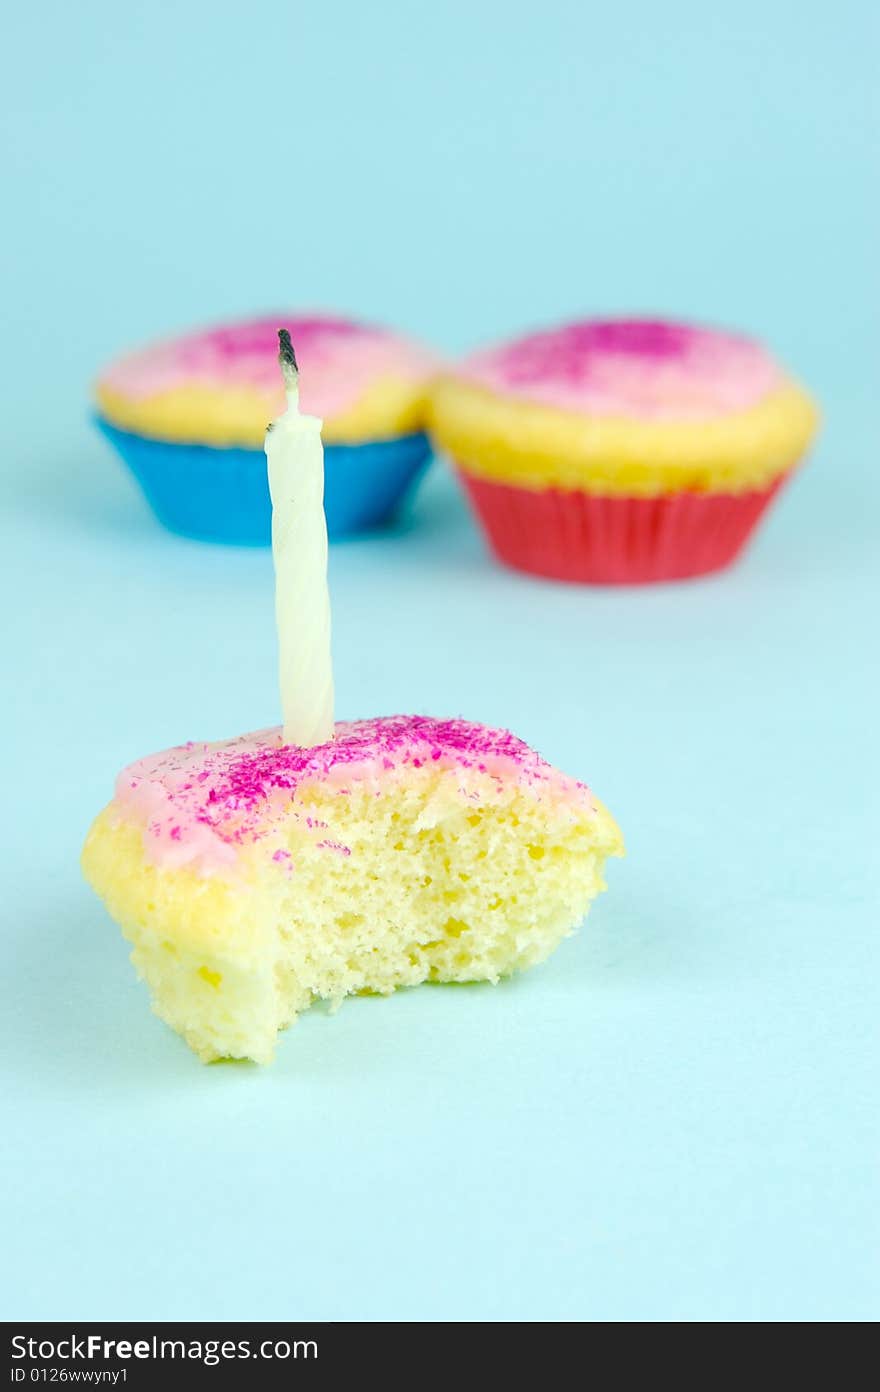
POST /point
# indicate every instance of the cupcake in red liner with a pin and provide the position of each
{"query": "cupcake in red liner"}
(622, 451)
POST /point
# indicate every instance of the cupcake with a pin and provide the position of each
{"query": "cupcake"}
(622, 451)
(188, 416)
(254, 877)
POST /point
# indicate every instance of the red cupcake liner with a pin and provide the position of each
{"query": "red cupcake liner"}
(602, 539)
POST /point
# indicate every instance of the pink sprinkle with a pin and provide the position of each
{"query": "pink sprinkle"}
(240, 790)
(281, 855)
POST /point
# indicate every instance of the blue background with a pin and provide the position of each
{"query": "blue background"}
(675, 1118)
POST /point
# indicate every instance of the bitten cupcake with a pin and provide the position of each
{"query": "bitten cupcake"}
(188, 416)
(254, 877)
(622, 451)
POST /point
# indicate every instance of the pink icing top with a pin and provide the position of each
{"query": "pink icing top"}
(200, 803)
(338, 360)
(629, 367)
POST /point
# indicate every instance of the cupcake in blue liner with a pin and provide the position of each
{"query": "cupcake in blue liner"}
(188, 416)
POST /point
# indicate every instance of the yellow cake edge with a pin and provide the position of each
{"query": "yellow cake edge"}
(237, 417)
(532, 446)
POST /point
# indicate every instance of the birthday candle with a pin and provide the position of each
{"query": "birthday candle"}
(299, 549)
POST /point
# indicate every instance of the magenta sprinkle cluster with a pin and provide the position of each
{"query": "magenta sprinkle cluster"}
(573, 353)
(198, 800)
(391, 740)
(642, 367)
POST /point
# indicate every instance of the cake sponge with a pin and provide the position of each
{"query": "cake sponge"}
(253, 877)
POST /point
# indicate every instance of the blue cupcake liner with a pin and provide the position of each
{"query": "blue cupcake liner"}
(222, 495)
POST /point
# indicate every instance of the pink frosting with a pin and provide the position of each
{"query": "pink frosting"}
(630, 367)
(338, 360)
(200, 804)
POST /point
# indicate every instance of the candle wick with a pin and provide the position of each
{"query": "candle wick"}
(287, 359)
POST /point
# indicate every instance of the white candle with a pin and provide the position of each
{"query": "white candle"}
(299, 550)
